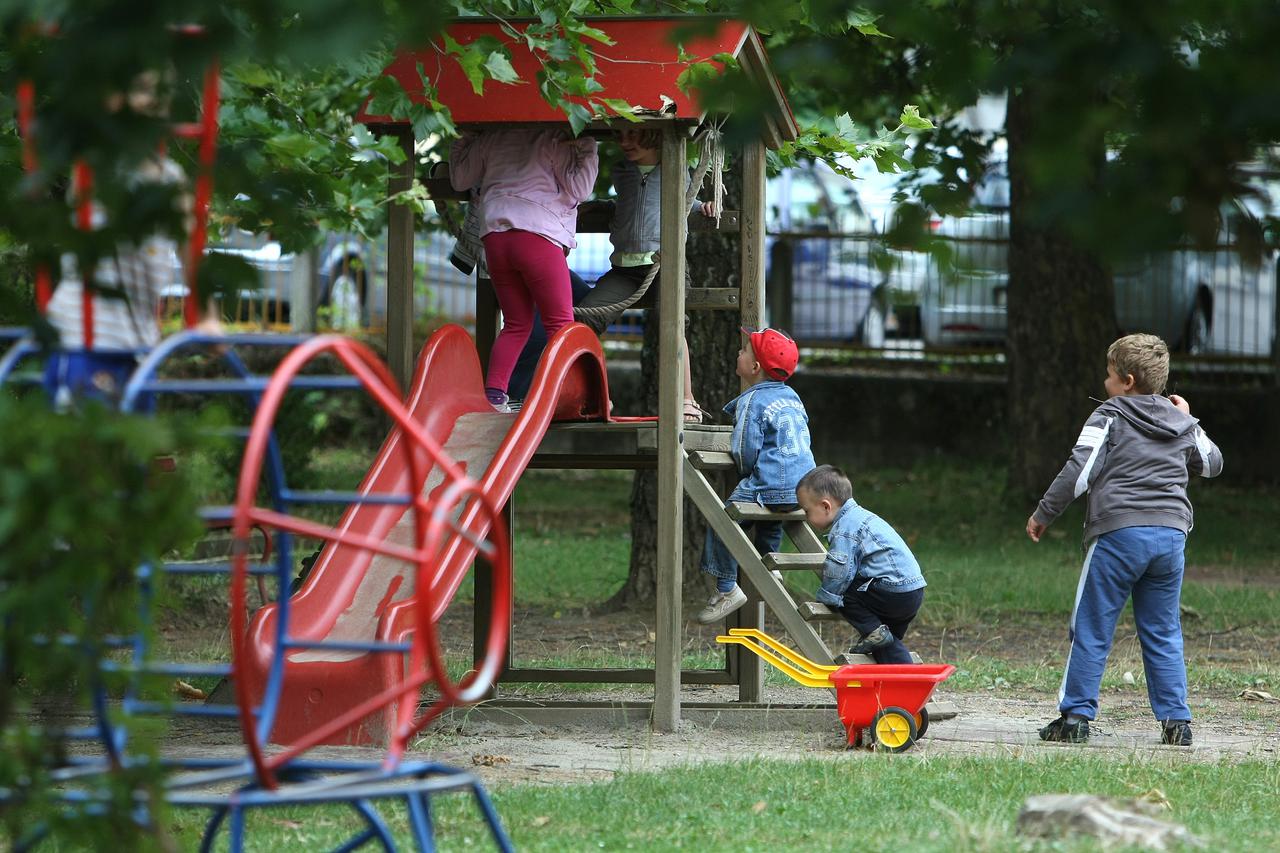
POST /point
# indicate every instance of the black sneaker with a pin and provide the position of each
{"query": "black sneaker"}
(878, 638)
(1066, 731)
(1176, 732)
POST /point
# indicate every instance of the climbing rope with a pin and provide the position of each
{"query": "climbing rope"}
(710, 159)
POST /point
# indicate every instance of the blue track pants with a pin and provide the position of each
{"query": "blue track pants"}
(1145, 563)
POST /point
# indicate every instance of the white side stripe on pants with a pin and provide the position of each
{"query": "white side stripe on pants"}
(1084, 576)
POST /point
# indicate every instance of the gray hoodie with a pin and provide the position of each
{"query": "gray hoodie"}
(1134, 457)
(637, 214)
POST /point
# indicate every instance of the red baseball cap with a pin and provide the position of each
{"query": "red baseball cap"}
(778, 354)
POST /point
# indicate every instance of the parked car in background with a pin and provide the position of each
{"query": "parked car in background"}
(1199, 300)
(820, 237)
(350, 280)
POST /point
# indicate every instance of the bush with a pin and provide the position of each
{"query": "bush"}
(82, 505)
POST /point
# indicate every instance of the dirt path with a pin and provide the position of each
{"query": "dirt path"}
(515, 752)
(1000, 721)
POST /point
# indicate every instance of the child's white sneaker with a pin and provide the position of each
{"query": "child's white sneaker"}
(721, 604)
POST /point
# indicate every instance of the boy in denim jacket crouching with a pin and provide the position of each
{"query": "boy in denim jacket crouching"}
(770, 444)
(870, 575)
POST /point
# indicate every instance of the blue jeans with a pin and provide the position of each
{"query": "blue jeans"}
(767, 537)
(73, 376)
(1145, 563)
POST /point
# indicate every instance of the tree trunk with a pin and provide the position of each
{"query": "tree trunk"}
(1061, 309)
(713, 341)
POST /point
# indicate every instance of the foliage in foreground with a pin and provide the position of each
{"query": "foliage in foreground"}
(82, 506)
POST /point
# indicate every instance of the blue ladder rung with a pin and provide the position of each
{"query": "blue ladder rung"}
(212, 670)
(226, 432)
(245, 385)
(82, 733)
(330, 496)
(110, 641)
(217, 513)
(218, 568)
(345, 647)
(182, 708)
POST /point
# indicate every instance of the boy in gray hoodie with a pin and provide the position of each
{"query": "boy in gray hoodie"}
(1134, 457)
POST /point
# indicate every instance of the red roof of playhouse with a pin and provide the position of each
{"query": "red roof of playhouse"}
(640, 67)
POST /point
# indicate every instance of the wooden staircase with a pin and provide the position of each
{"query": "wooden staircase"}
(764, 574)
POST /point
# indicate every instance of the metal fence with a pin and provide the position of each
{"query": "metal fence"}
(1213, 305)
(835, 291)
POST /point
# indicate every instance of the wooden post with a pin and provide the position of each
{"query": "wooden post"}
(669, 621)
(481, 611)
(751, 246)
(303, 290)
(780, 284)
(751, 230)
(400, 267)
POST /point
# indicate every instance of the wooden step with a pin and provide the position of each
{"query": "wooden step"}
(775, 595)
(846, 659)
(794, 562)
(755, 512)
(816, 611)
(712, 460)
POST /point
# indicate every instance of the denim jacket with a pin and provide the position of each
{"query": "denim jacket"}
(770, 443)
(863, 547)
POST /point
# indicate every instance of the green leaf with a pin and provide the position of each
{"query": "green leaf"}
(297, 145)
(472, 64)
(592, 33)
(621, 108)
(389, 98)
(561, 50)
(578, 115)
(865, 23)
(888, 160)
(500, 69)
(845, 126)
(252, 75)
(696, 75)
(912, 120)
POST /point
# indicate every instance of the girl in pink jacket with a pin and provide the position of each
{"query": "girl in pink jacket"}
(529, 185)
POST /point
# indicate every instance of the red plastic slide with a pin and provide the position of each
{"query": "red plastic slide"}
(354, 596)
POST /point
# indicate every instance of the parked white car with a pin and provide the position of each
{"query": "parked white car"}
(1199, 300)
(817, 225)
(350, 279)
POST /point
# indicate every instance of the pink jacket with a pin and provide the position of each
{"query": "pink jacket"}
(531, 180)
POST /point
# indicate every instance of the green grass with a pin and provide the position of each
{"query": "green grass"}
(572, 536)
(982, 570)
(572, 542)
(572, 546)
(850, 801)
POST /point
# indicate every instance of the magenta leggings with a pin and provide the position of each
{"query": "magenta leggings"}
(528, 271)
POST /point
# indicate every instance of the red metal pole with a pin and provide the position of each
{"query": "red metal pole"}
(204, 188)
(26, 128)
(82, 183)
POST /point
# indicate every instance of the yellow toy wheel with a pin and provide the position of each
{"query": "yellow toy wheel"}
(922, 722)
(894, 729)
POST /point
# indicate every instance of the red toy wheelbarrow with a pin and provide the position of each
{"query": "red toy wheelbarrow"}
(881, 705)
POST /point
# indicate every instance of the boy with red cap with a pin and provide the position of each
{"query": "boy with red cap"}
(770, 445)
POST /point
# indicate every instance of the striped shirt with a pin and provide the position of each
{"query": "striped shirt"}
(129, 286)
